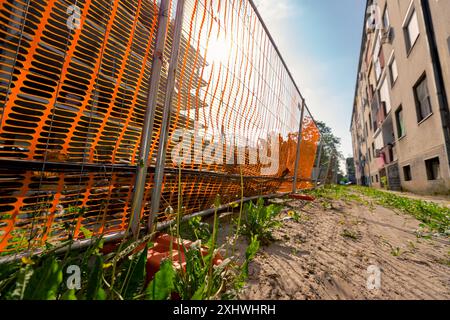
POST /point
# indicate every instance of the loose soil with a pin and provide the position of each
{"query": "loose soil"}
(327, 253)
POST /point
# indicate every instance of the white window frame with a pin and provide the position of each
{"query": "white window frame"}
(406, 23)
(391, 61)
(386, 18)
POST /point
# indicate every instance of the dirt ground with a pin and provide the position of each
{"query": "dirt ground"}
(326, 255)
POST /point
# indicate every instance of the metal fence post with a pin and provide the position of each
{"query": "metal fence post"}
(170, 88)
(146, 139)
(319, 159)
(299, 141)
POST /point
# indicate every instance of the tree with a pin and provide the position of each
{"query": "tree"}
(330, 146)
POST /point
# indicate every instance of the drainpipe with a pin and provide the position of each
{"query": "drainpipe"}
(438, 74)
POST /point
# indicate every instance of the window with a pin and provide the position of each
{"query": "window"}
(386, 22)
(401, 132)
(376, 58)
(433, 169)
(370, 121)
(378, 179)
(385, 97)
(411, 31)
(407, 173)
(423, 103)
(373, 150)
(393, 72)
(378, 69)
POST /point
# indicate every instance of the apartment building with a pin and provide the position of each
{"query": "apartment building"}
(400, 122)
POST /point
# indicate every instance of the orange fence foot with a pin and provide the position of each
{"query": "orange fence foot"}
(301, 197)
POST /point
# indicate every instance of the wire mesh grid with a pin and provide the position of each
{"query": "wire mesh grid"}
(74, 82)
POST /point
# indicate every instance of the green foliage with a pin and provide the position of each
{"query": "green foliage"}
(250, 254)
(43, 278)
(330, 143)
(134, 280)
(260, 220)
(201, 280)
(195, 229)
(336, 192)
(95, 289)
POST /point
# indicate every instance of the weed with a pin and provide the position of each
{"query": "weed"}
(250, 254)
(297, 217)
(445, 262)
(412, 246)
(259, 220)
(195, 229)
(350, 234)
(396, 252)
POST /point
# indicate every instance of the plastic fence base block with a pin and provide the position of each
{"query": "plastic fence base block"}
(302, 197)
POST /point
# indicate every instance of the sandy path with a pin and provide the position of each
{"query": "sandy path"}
(313, 259)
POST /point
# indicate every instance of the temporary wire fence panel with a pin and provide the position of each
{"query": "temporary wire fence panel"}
(74, 81)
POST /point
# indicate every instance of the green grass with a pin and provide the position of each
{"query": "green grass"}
(433, 216)
(335, 192)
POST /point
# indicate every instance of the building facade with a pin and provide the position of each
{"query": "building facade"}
(350, 168)
(400, 121)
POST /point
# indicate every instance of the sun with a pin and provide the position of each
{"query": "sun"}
(218, 50)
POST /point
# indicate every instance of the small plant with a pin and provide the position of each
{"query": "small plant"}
(195, 229)
(260, 220)
(200, 279)
(350, 234)
(296, 216)
(250, 254)
(396, 252)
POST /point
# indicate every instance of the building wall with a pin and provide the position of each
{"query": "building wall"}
(423, 139)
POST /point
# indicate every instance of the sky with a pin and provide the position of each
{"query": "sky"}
(320, 41)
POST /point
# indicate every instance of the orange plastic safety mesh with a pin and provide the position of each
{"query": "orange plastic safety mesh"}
(73, 102)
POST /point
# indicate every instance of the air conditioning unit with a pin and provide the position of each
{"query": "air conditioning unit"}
(386, 35)
(379, 153)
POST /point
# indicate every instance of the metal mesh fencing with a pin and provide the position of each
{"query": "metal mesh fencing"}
(74, 98)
